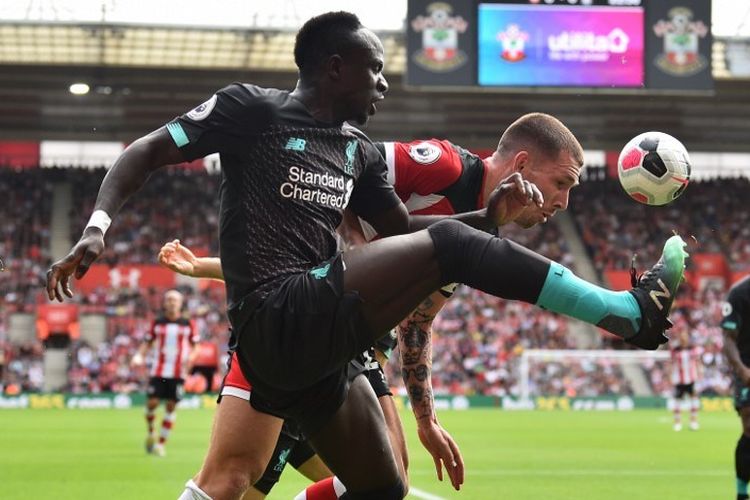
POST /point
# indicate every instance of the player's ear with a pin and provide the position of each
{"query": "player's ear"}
(333, 67)
(520, 161)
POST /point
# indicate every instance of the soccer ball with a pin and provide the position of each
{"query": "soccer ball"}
(654, 168)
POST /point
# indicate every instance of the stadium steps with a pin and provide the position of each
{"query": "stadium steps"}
(55, 369)
(586, 336)
(21, 328)
(62, 204)
(636, 375)
(93, 329)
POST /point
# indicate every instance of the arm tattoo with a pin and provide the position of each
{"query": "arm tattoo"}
(421, 372)
(416, 362)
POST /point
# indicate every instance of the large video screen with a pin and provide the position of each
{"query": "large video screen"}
(560, 45)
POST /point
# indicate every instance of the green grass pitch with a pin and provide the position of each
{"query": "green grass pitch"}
(98, 454)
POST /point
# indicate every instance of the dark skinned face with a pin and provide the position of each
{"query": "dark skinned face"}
(360, 79)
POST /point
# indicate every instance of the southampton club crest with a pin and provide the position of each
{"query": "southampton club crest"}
(440, 30)
(513, 40)
(681, 36)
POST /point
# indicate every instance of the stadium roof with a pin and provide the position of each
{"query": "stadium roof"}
(241, 34)
(243, 14)
(728, 20)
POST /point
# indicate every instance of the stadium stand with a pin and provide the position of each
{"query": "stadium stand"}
(477, 340)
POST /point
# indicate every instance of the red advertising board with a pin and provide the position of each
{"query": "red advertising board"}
(125, 276)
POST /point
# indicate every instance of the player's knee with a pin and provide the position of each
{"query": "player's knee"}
(448, 238)
(239, 481)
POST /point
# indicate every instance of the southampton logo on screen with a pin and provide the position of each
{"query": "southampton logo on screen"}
(440, 30)
(681, 36)
(513, 40)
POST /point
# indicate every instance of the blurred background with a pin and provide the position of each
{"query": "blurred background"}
(80, 80)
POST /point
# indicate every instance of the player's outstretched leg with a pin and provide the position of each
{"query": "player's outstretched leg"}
(394, 274)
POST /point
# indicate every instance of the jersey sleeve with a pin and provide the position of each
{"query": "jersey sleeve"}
(731, 312)
(421, 167)
(222, 122)
(372, 193)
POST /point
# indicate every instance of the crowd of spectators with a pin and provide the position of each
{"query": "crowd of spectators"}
(478, 339)
(699, 313)
(25, 212)
(175, 203)
(713, 213)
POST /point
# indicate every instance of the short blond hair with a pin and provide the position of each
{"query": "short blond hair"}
(543, 133)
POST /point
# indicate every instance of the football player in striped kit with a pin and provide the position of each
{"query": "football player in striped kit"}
(685, 373)
(170, 343)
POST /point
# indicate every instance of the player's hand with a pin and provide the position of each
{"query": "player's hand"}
(77, 262)
(511, 196)
(444, 451)
(745, 376)
(178, 258)
(137, 360)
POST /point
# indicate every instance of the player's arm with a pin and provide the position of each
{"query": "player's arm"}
(731, 325)
(732, 353)
(508, 199)
(129, 172)
(139, 358)
(350, 229)
(415, 344)
(181, 260)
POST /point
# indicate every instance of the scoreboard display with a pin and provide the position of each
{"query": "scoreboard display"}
(619, 44)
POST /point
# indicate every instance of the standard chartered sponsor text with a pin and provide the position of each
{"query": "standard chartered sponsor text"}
(304, 185)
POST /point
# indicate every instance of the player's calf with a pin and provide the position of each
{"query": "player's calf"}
(510, 271)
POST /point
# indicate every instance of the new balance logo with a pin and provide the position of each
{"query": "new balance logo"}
(664, 294)
(295, 144)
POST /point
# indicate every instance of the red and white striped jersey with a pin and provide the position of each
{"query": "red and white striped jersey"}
(171, 343)
(685, 364)
(433, 177)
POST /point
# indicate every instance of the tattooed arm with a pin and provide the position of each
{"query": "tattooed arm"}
(415, 344)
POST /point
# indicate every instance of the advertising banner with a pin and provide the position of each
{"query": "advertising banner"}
(126, 276)
(556, 45)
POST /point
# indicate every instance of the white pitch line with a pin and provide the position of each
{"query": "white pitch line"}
(423, 494)
(585, 472)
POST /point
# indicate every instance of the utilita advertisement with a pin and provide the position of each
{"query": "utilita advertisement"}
(559, 46)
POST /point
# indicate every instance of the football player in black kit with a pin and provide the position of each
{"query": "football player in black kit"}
(301, 310)
(736, 326)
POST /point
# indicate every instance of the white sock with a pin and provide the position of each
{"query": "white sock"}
(193, 492)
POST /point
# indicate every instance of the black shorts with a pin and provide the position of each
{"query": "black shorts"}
(294, 346)
(741, 394)
(681, 390)
(291, 448)
(165, 388)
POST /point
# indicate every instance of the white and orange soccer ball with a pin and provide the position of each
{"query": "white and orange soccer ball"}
(654, 168)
